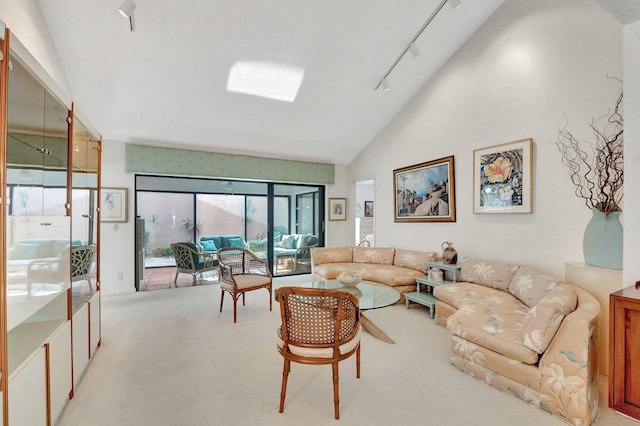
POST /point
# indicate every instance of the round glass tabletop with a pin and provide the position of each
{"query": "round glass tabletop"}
(370, 295)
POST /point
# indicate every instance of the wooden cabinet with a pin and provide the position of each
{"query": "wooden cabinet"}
(624, 352)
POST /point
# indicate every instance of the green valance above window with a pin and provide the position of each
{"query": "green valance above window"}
(182, 162)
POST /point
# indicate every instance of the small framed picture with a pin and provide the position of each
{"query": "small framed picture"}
(368, 209)
(113, 205)
(337, 209)
(502, 178)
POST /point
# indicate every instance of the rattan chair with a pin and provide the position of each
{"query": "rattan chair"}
(82, 261)
(189, 260)
(319, 326)
(242, 271)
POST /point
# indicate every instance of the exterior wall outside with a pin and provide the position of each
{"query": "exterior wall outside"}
(529, 65)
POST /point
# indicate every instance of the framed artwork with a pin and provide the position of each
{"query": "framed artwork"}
(502, 178)
(368, 209)
(113, 205)
(425, 192)
(337, 209)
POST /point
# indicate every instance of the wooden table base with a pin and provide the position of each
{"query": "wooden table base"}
(374, 330)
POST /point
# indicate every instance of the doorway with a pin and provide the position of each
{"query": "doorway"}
(365, 212)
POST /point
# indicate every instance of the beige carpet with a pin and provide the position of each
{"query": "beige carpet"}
(169, 358)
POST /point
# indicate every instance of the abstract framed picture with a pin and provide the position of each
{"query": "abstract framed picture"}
(368, 209)
(502, 178)
(113, 205)
(337, 209)
(425, 192)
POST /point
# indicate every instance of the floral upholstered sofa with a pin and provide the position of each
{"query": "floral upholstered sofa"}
(525, 334)
(396, 268)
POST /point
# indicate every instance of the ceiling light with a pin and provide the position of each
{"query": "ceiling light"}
(411, 46)
(127, 8)
(385, 85)
(455, 4)
(414, 50)
(270, 80)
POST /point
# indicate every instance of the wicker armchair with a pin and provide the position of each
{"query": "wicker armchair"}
(319, 326)
(189, 260)
(242, 271)
(82, 258)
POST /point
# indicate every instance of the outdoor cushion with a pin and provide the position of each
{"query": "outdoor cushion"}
(236, 242)
(208, 245)
(288, 242)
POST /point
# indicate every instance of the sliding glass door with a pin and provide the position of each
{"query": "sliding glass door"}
(262, 214)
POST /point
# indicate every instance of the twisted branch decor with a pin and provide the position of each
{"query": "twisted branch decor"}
(597, 169)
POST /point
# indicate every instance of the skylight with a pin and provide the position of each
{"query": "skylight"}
(267, 79)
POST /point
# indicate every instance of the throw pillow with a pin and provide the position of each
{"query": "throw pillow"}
(542, 321)
(236, 242)
(288, 242)
(529, 286)
(208, 245)
(487, 272)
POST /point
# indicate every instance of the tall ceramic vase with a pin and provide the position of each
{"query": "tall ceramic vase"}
(602, 243)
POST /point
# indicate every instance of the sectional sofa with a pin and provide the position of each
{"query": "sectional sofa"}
(396, 268)
(525, 334)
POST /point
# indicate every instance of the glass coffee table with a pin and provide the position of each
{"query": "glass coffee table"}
(370, 296)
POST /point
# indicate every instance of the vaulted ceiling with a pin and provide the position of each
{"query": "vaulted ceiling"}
(170, 82)
(166, 83)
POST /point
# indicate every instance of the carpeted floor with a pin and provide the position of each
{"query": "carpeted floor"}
(168, 357)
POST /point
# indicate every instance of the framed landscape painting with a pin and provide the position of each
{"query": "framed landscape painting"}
(502, 178)
(425, 192)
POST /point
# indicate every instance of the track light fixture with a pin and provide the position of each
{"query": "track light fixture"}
(455, 4)
(414, 50)
(383, 82)
(126, 10)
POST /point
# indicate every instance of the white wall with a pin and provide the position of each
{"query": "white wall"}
(531, 62)
(631, 54)
(25, 20)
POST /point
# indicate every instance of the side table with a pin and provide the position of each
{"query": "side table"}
(426, 297)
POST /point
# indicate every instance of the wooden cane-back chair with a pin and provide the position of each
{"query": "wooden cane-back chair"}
(319, 326)
(242, 271)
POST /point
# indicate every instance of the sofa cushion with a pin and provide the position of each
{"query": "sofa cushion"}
(529, 286)
(324, 255)
(393, 276)
(208, 245)
(237, 242)
(493, 319)
(454, 293)
(379, 255)
(289, 241)
(414, 259)
(542, 321)
(487, 272)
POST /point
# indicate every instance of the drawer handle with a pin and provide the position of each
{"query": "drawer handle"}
(45, 223)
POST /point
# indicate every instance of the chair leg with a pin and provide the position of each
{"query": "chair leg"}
(285, 376)
(175, 280)
(242, 298)
(358, 362)
(270, 298)
(221, 298)
(235, 307)
(194, 278)
(336, 392)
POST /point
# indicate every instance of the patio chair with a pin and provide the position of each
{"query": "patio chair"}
(242, 271)
(319, 326)
(82, 258)
(189, 260)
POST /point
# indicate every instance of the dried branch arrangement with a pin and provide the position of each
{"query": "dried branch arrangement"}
(597, 169)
